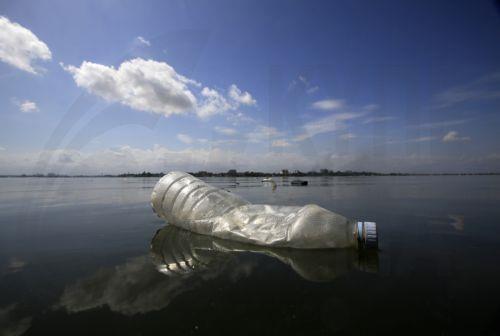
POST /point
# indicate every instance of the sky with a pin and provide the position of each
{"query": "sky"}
(106, 87)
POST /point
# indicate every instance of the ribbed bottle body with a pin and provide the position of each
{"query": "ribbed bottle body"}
(192, 204)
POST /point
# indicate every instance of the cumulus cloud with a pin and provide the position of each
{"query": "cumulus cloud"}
(225, 130)
(27, 106)
(185, 138)
(280, 143)
(453, 136)
(244, 98)
(144, 85)
(20, 48)
(151, 86)
(327, 124)
(213, 103)
(143, 41)
(328, 104)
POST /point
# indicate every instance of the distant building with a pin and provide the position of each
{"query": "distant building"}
(284, 172)
(232, 172)
(324, 172)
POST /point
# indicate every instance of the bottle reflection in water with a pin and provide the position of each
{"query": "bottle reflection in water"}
(177, 252)
(188, 260)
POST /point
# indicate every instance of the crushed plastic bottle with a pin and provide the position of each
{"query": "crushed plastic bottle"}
(187, 202)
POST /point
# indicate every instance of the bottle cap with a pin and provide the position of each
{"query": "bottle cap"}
(367, 235)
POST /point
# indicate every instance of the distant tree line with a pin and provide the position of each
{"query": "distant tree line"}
(235, 173)
(322, 172)
(143, 174)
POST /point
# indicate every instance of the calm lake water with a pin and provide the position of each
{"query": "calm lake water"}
(83, 256)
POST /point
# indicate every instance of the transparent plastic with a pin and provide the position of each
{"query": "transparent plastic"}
(187, 202)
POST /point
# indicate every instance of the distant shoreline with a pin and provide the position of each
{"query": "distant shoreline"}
(254, 174)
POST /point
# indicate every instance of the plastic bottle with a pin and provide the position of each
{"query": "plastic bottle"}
(187, 202)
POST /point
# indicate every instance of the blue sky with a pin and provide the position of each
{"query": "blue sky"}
(112, 86)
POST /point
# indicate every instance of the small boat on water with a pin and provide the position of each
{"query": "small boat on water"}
(298, 183)
(267, 179)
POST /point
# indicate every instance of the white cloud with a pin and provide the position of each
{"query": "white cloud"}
(484, 88)
(19, 47)
(312, 89)
(244, 98)
(453, 136)
(27, 106)
(238, 118)
(225, 130)
(370, 107)
(151, 86)
(143, 41)
(155, 159)
(185, 138)
(144, 85)
(378, 119)
(423, 139)
(162, 159)
(327, 124)
(2, 149)
(213, 103)
(263, 133)
(441, 124)
(348, 136)
(280, 143)
(413, 140)
(302, 82)
(328, 104)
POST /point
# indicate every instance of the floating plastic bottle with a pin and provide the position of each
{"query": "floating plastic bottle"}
(187, 202)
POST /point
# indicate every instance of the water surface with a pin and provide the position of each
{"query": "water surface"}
(87, 256)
